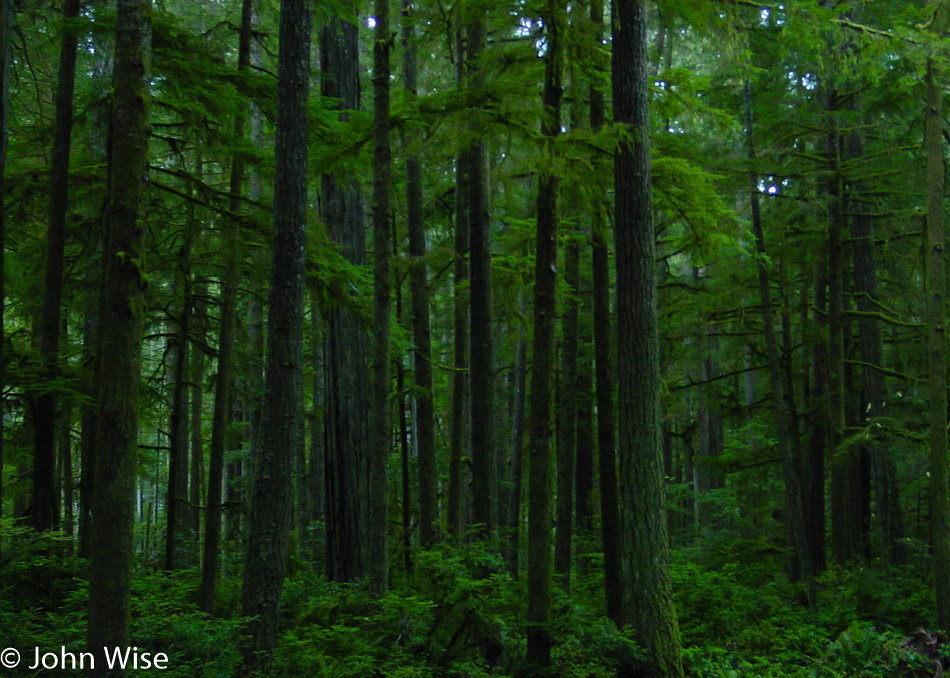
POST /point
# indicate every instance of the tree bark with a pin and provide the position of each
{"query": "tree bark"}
(120, 338)
(6, 58)
(648, 599)
(606, 421)
(348, 385)
(936, 286)
(482, 369)
(540, 469)
(45, 513)
(282, 416)
(799, 546)
(382, 300)
(567, 421)
(890, 520)
(419, 281)
(221, 417)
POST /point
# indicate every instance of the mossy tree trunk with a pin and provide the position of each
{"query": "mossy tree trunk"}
(120, 337)
(282, 415)
(647, 593)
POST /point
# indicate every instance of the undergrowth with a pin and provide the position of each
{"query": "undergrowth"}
(460, 614)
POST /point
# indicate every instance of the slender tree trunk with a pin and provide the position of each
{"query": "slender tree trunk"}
(648, 599)
(223, 383)
(936, 287)
(567, 421)
(120, 337)
(196, 370)
(175, 503)
(89, 410)
(606, 421)
(813, 477)
(890, 520)
(382, 301)
(799, 547)
(6, 58)
(540, 469)
(317, 461)
(482, 369)
(422, 354)
(45, 514)
(517, 455)
(282, 425)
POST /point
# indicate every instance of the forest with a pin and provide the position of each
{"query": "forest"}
(460, 338)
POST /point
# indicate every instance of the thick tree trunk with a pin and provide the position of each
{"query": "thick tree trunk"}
(223, 383)
(282, 417)
(540, 469)
(382, 300)
(648, 599)
(799, 547)
(348, 385)
(120, 337)
(45, 513)
(936, 288)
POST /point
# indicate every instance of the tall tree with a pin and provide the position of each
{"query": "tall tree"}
(419, 281)
(545, 317)
(347, 380)
(936, 287)
(606, 420)
(382, 301)
(459, 325)
(282, 416)
(223, 383)
(481, 364)
(120, 337)
(799, 545)
(45, 513)
(6, 58)
(648, 600)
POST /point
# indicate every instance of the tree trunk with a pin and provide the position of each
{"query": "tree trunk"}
(176, 500)
(567, 420)
(196, 482)
(517, 455)
(540, 470)
(348, 386)
(419, 280)
(606, 421)
(282, 416)
(6, 58)
(223, 383)
(936, 286)
(813, 476)
(481, 369)
(799, 548)
(45, 514)
(382, 300)
(648, 599)
(890, 520)
(120, 337)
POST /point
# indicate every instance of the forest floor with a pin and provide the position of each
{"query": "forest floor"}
(738, 617)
